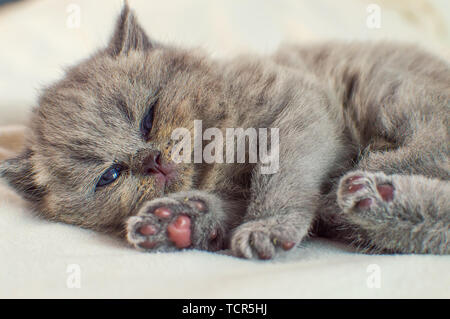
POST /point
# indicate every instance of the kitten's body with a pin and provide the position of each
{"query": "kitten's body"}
(364, 147)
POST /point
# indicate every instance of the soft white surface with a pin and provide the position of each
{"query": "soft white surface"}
(35, 254)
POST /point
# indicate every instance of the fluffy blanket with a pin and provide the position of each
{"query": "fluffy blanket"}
(44, 259)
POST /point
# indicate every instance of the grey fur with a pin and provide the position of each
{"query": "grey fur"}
(380, 110)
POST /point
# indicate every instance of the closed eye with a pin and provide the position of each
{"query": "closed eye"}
(110, 175)
(147, 122)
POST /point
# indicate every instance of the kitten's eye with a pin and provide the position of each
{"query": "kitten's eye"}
(110, 176)
(147, 122)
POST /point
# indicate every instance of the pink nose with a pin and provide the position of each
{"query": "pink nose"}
(152, 164)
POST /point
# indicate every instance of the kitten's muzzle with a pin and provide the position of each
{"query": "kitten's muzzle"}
(151, 163)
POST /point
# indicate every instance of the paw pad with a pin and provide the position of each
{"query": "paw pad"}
(386, 191)
(198, 205)
(365, 203)
(264, 255)
(180, 221)
(353, 178)
(147, 230)
(213, 234)
(365, 190)
(180, 231)
(353, 188)
(163, 212)
(287, 245)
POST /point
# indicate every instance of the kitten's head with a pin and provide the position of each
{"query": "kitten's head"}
(100, 140)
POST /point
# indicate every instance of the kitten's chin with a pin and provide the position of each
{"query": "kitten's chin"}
(176, 185)
(166, 175)
(161, 181)
(165, 181)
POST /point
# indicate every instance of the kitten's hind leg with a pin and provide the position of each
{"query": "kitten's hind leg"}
(396, 213)
(407, 209)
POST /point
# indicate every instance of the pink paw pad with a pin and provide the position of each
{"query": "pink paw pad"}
(386, 192)
(180, 231)
(353, 178)
(364, 203)
(264, 255)
(352, 188)
(147, 230)
(163, 212)
(213, 234)
(287, 245)
(199, 205)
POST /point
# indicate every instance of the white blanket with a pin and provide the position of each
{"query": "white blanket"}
(43, 259)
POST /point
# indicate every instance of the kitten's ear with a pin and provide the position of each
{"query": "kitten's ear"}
(19, 175)
(128, 34)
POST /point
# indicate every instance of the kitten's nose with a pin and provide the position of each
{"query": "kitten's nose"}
(152, 164)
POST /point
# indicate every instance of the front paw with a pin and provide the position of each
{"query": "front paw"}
(182, 220)
(262, 238)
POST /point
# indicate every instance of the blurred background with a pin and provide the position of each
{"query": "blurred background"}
(40, 37)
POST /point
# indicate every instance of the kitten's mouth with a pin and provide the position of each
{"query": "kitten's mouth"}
(165, 175)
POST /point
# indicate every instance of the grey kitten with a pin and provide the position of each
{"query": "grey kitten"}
(363, 153)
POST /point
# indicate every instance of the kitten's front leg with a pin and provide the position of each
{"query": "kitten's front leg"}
(283, 205)
(263, 237)
(193, 219)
